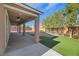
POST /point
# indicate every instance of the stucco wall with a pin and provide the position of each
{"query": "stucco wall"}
(4, 34)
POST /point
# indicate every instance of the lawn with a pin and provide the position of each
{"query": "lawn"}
(64, 45)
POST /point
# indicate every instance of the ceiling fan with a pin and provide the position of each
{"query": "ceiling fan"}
(18, 18)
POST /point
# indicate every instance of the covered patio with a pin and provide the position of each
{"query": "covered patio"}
(19, 45)
(17, 14)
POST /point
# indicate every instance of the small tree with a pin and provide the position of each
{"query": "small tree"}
(69, 22)
(53, 21)
(46, 22)
(71, 17)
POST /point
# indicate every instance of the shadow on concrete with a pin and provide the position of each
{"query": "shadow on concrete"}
(48, 42)
(47, 39)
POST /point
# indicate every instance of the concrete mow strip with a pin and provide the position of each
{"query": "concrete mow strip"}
(51, 53)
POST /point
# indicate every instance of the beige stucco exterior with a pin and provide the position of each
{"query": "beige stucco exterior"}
(3, 29)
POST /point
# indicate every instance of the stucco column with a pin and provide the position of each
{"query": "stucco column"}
(19, 28)
(23, 29)
(37, 30)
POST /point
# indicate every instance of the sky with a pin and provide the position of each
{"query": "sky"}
(47, 9)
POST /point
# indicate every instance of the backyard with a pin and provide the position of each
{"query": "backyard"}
(64, 45)
(63, 29)
(64, 23)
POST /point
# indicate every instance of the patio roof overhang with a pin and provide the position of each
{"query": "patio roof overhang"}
(25, 12)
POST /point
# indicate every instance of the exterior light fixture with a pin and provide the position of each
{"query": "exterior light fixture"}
(18, 19)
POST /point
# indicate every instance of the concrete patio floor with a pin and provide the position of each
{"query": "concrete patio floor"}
(25, 46)
(17, 41)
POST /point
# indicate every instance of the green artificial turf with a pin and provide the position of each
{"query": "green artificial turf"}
(64, 45)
